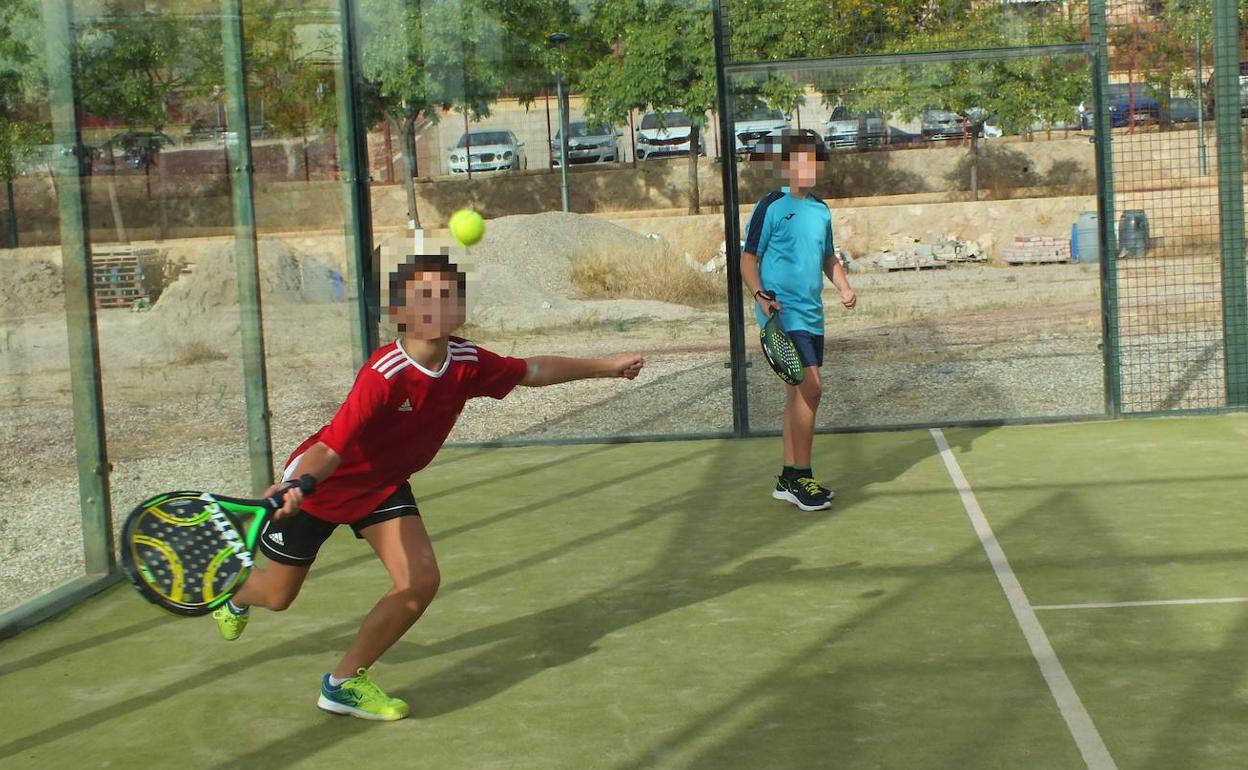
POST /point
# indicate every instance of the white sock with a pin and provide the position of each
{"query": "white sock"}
(337, 681)
(234, 608)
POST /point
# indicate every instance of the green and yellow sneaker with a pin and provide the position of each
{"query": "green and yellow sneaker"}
(360, 697)
(229, 622)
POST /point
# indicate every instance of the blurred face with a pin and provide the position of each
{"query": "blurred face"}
(432, 307)
(802, 169)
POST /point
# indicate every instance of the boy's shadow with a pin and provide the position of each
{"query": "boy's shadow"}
(710, 554)
(518, 649)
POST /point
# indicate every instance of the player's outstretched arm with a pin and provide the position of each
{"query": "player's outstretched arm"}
(552, 370)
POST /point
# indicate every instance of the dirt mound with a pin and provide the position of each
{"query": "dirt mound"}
(213, 281)
(30, 286)
(523, 267)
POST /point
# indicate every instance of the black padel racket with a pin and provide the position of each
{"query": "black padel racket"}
(780, 352)
(188, 552)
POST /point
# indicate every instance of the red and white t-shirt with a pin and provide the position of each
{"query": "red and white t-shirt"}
(395, 419)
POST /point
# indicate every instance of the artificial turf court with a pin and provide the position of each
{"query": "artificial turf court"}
(648, 606)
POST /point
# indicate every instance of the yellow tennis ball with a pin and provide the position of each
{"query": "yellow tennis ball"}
(467, 226)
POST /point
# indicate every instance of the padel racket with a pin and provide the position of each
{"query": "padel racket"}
(188, 552)
(779, 350)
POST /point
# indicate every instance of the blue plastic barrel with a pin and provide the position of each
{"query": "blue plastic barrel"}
(1087, 238)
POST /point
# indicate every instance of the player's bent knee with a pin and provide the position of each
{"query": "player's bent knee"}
(281, 599)
(420, 586)
(277, 604)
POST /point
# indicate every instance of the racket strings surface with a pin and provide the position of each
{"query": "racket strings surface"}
(781, 353)
(182, 554)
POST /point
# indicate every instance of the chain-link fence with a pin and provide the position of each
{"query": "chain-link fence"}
(1041, 205)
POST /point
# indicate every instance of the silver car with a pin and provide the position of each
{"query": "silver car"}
(491, 150)
(667, 136)
(588, 143)
(855, 129)
(943, 124)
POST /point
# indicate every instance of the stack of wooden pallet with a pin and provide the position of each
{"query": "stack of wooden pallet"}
(119, 278)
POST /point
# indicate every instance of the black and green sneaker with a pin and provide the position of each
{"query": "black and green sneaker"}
(803, 492)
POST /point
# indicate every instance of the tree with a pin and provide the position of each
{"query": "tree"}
(288, 75)
(422, 58)
(135, 67)
(20, 126)
(666, 63)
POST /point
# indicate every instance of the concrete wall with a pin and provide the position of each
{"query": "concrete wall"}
(191, 201)
(196, 205)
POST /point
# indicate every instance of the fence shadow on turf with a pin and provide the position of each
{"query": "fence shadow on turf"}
(710, 554)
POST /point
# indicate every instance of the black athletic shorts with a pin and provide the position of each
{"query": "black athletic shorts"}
(295, 540)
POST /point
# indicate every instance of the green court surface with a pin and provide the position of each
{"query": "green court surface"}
(641, 606)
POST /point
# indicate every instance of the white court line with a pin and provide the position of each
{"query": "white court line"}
(1154, 603)
(1091, 746)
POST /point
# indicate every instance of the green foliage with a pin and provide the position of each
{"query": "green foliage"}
(21, 64)
(1018, 93)
(292, 76)
(132, 67)
(666, 60)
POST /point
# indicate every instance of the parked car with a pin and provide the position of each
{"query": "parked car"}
(942, 124)
(753, 122)
(899, 137)
(588, 143)
(1131, 99)
(861, 129)
(133, 149)
(1137, 103)
(1183, 110)
(491, 150)
(203, 131)
(1243, 91)
(666, 137)
(989, 125)
(772, 145)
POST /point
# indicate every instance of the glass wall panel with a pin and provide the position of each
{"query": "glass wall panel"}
(41, 543)
(464, 108)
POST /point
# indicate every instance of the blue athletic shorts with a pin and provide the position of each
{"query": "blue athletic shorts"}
(809, 347)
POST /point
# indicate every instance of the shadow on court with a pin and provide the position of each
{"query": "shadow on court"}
(711, 552)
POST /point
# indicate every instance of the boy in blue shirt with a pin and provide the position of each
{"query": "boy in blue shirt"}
(788, 250)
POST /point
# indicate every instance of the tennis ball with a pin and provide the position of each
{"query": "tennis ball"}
(467, 226)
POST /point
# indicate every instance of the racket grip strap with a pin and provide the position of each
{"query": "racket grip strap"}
(305, 483)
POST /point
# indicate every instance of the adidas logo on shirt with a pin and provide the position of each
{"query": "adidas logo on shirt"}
(407, 405)
(276, 537)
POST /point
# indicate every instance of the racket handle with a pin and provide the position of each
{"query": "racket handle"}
(306, 483)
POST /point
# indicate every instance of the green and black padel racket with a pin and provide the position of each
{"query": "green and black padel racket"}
(779, 350)
(188, 552)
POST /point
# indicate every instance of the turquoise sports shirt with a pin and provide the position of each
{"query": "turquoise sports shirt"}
(791, 237)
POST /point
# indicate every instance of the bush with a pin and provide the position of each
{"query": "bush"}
(659, 276)
(197, 352)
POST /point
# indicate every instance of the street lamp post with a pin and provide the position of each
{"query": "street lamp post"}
(560, 40)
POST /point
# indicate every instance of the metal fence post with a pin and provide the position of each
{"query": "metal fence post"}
(358, 223)
(1231, 198)
(738, 362)
(246, 257)
(1103, 138)
(90, 446)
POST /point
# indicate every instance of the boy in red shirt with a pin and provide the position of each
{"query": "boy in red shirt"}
(398, 414)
